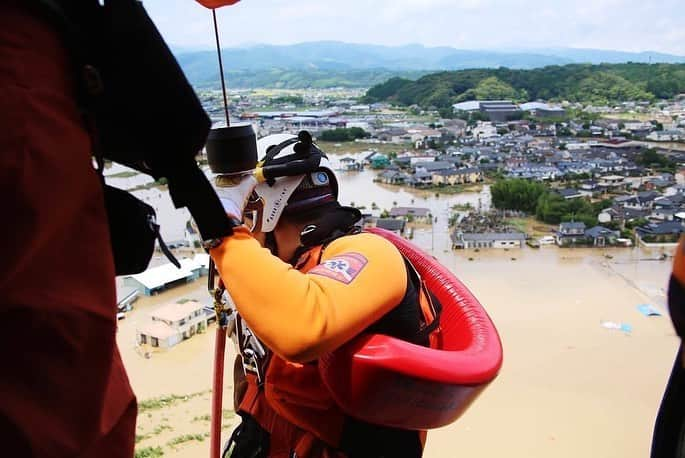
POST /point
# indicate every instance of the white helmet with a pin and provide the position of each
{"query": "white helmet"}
(296, 177)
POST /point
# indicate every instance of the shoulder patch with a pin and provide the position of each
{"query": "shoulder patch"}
(343, 268)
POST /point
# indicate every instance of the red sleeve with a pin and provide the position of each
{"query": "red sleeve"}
(62, 383)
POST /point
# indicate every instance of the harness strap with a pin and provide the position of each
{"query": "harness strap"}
(430, 306)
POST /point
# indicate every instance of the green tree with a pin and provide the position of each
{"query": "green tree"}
(554, 209)
(517, 194)
(493, 88)
(343, 134)
(651, 158)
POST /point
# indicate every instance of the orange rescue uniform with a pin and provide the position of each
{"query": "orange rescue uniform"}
(301, 315)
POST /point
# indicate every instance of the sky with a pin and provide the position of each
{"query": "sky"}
(625, 25)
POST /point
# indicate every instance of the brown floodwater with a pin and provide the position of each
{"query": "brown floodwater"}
(569, 387)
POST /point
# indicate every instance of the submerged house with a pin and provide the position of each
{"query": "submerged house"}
(666, 232)
(391, 224)
(571, 234)
(601, 236)
(350, 164)
(171, 324)
(393, 177)
(461, 240)
(418, 214)
(379, 161)
(457, 176)
(421, 178)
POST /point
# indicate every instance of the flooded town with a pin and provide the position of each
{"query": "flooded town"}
(578, 294)
(299, 229)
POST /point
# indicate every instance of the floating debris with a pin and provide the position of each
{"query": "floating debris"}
(648, 310)
(625, 327)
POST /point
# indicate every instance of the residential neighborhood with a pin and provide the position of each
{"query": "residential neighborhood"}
(634, 168)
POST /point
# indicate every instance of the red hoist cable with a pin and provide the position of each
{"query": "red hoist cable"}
(218, 290)
(222, 325)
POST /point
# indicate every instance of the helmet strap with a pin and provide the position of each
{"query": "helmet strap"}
(271, 244)
(337, 222)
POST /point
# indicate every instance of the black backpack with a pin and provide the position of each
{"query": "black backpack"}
(141, 112)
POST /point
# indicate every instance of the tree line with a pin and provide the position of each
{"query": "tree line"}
(343, 134)
(597, 84)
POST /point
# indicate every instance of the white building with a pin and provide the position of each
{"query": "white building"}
(160, 278)
(666, 135)
(612, 181)
(171, 324)
(487, 240)
(360, 108)
(471, 105)
(484, 130)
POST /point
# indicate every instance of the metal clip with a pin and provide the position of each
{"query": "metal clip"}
(253, 353)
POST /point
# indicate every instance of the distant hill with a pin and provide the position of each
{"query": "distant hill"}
(284, 78)
(599, 84)
(314, 63)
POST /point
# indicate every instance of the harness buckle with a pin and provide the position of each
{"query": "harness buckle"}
(254, 355)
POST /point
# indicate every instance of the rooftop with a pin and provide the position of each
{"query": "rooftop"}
(157, 329)
(493, 236)
(404, 211)
(390, 224)
(125, 292)
(598, 231)
(540, 106)
(669, 227)
(435, 165)
(572, 225)
(471, 105)
(568, 192)
(176, 312)
(167, 273)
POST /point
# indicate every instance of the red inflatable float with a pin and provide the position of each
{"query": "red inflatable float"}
(387, 381)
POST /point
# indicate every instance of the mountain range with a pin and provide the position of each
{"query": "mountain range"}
(315, 62)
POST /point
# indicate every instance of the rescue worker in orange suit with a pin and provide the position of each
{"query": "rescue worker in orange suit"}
(305, 281)
(667, 441)
(63, 388)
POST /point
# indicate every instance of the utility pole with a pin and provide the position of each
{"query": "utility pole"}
(433, 220)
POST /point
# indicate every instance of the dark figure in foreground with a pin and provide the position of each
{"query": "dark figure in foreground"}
(669, 431)
(63, 388)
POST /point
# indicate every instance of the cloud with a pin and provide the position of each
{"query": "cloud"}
(631, 25)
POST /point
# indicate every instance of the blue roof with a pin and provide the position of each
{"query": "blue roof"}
(599, 231)
(573, 225)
